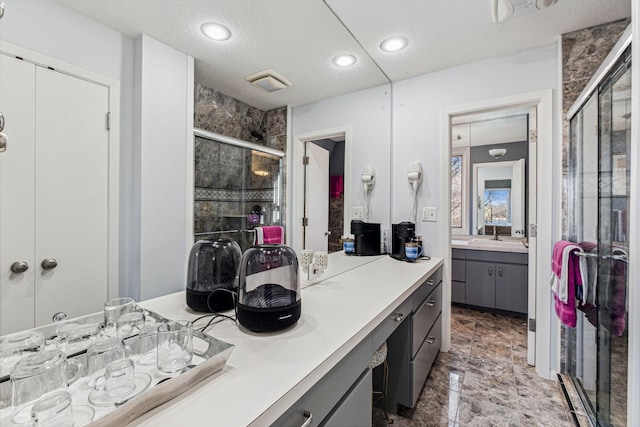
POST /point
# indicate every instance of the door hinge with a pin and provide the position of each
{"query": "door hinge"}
(109, 121)
(305, 160)
(305, 221)
(532, 325)
(533, 230)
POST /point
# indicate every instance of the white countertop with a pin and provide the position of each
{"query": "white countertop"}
(485, 243)
(268, 372)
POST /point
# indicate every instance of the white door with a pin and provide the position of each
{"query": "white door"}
(316, 198)
(71, 218)
(17, 105)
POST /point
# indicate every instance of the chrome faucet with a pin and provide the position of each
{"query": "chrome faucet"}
(495, 233)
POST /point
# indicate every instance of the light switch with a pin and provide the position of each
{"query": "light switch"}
(358, 213)
(430, 214)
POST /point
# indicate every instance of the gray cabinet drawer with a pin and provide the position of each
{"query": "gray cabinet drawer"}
(422, 362)
(424, 317)
(458, 253)
(427, 287)
(354, 409)
(325, 395)
(388, 325)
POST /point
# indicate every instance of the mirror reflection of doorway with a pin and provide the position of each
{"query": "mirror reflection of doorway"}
(324, 193)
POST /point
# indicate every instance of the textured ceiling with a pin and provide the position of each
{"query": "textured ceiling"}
(298, 38)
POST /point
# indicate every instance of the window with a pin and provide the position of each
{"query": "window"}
(459, 191)
(497, 206)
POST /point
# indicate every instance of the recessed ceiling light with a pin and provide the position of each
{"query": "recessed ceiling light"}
(394, 44)
(344, 60)
(215, 31)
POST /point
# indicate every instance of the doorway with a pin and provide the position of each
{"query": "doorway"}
(538, 227)
(321, 209)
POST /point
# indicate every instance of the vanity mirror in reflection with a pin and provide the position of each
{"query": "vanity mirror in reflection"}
(498, 193)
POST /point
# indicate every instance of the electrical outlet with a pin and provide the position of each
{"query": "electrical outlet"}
(358, 213)
(430, 214)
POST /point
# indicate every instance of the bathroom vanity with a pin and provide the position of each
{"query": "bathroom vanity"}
(490, 274)
(317, 371)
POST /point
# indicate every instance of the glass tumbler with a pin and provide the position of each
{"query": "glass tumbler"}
(175, 346)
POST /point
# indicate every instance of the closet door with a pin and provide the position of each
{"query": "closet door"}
(71, 203)
(17, 104)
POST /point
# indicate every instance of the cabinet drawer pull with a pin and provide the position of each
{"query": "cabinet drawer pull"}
(431, 303)
(500, 271)
(397, 316)
(430, 340)
(490, 271)
(431, 282)
(309, 417)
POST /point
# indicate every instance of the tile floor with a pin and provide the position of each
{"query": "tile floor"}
(485, 380)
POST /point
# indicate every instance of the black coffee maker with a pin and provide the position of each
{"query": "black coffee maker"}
(401, 234)
(366, 237)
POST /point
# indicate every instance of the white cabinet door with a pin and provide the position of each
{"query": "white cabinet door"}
(17, 104)
(53, 195)
(71, 219)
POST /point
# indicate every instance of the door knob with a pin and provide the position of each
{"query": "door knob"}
(1, 122)
(327, 233)
(19, 267)
(49, 263)
(3, 142)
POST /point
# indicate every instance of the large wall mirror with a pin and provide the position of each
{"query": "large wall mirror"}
(357, 101)
(489, 166)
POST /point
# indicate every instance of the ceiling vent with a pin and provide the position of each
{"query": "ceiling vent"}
(501, 10)
(268, 80)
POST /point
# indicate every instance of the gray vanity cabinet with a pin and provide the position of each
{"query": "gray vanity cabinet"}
(490, 279)
(415, 344)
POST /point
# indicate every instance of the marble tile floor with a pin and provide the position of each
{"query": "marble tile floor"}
(485, 380)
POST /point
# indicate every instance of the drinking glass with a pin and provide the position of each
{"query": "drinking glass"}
(130, 324)
(103, 352)
(115, 308)
(53, 410)
(37, 374)
(119, 378)
(14, 347)
(74, 337)
(175, 346)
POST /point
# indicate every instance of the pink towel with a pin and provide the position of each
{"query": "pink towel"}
(566, 274)
(336, 186)
(270, 234)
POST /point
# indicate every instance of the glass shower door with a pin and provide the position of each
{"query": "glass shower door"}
(596, 350)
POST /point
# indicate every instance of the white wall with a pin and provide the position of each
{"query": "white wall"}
(164, 94)
(417, 105)
(368, 115)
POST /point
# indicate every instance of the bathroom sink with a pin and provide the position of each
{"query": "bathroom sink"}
(459, 242)
(496, 244)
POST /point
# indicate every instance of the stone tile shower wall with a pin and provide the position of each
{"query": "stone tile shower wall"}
(225, 187)
(582, 53)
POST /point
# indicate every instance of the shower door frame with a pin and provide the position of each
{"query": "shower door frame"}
(611, 68)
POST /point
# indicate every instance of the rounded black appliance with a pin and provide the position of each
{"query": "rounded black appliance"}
(211, 275)
(268, 288)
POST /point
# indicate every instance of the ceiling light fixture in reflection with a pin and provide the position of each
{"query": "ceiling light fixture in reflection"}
(215, 31)
(344, 60)
(394, 44)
